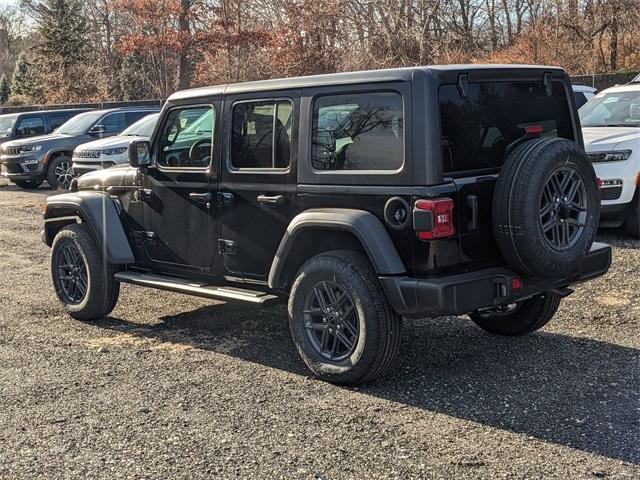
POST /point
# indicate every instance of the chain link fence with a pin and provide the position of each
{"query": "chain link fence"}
(601, 81)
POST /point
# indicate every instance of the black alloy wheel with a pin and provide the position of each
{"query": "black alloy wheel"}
(331, 320)
(71, 271)
(563, 208)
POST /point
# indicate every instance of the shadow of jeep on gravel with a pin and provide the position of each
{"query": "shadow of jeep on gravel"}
(575, 392)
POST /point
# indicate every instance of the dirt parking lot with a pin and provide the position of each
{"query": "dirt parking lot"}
(176, 387)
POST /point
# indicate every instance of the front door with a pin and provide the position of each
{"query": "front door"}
(258, 186)
(179, 192)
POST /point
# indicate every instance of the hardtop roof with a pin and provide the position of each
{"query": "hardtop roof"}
(388, 75)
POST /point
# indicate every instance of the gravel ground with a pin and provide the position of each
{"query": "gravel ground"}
(176, 387)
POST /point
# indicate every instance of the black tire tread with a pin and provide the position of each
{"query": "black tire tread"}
(534, 314)
(389, 322)
(632, 222)
(104, 290)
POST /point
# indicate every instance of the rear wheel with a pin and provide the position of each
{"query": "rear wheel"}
(518, 318)
(340, 321)
(59, 172)
(83, 279)
(28, 184)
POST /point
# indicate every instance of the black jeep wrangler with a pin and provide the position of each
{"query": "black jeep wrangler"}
(359, 197)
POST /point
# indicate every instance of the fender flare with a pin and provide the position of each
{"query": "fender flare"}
(100, 212)
(365, 226)
(52, 153)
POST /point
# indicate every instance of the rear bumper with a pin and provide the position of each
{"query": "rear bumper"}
(465, 293)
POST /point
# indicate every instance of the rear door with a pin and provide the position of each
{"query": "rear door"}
(258, 184)
(477, 134)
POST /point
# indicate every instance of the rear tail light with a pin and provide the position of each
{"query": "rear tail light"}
(534, 129)
(433, 219)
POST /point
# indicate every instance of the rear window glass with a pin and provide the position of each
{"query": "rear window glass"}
(358, 132)
(477, 130)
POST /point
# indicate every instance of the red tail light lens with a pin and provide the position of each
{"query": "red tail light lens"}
(534, 129)
(441, 223)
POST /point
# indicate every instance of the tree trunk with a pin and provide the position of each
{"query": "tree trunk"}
(184, 67)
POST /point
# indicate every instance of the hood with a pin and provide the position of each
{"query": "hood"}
(111, 142)
(603, 139)
(118, 176)
(52, 137)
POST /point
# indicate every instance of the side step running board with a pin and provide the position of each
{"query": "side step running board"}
(180, 285)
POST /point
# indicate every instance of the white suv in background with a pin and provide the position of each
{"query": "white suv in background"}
(107, 152)
(611, 130)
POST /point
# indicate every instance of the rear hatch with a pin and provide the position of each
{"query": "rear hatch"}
(480, 122)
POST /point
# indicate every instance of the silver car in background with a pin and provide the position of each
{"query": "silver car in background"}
(108, 152)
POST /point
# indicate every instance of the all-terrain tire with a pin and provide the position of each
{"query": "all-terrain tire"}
(378, 341)
(529, 315)
(517, 207)
(27, 184)
(59, 174)
(102, 290)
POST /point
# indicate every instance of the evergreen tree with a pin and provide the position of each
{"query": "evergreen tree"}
(131, 82)
(5, 90)
(22, 81)
(64, 32)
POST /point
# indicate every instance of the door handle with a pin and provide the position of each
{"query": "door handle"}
(202, 198)
(275, 200)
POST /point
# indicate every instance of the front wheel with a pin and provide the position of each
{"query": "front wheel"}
(632, 222)
(83, 280)
(59, 172)
(340, 320)
(518, 318)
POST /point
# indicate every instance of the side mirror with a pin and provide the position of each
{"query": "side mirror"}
(139, 153)
(97, 130)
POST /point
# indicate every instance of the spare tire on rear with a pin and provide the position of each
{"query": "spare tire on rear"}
(546, 207)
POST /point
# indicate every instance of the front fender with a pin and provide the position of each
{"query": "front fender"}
(365, 226)
(99, 211)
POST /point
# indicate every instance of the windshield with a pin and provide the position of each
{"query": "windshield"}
(615, 109)
(143, 127)
(80, 123)
(6, 124)
(204, 124)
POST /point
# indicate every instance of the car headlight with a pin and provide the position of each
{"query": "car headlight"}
(114, 151)
(29, 148)
(617, 156)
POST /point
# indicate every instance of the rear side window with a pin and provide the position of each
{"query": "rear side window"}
(30, 126)
(358, 132)
(261, 135)
(133, 117)
(477, 130)
(59, 118)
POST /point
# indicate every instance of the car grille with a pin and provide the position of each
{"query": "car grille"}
(611, 193)
(11, 150)
(13, 168)
(87, 154)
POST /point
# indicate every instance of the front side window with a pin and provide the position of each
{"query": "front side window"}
(477, 130)
(30, 126)
(363, 131)
(182, 146)
(261, 135)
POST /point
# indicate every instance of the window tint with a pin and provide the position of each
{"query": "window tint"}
(133, 117)
(30, 126)
(261, 135)
(358, 132)
(477, 130)
(113, 123)
(185, 147)
(58, 119)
